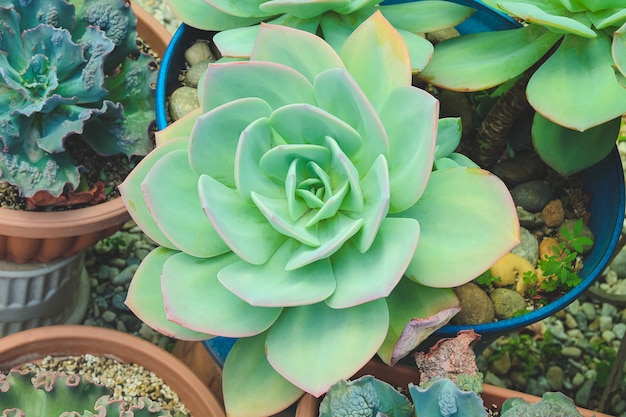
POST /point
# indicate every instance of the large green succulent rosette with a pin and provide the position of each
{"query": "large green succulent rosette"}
(298, 211)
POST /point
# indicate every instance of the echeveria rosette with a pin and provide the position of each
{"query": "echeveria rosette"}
(54, 83)
(289, 208)
(334, 20)
(577, 90)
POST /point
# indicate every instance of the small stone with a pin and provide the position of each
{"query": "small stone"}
(606, 323)
(570, 321)
(120, 326)
(555, 376)
(507, 303)
(590, 310)
(608, 336)
(608, 310)
(125, 276)
(574, 307)
(575, 334)
(553, 213)
(117, 263)
(182, 101)
(619, 329)
(528, 219)
(493, 379)
(197, 70)
(532, 195)
(476, 307)
(109, 316)
(583, 394)
(118, 302)
(578, 379)
(199, 51)
(571, 352)
(619, 263)
(528, 248)
(525, 166)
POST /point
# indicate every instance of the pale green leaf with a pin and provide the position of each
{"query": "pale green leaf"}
(619, 49)
(237, 42)
(363, 277)
(339, 95)
(133, 197)
(425, 16)
(576, 87)
(248, 8)
(569, 151)
(377, 57)
(483, 60)
(181, 128)
(415, 312)
(376, 196)
(597, 5)
(555, 23)
(202, 15)
(145, 298)
(277, 84)
(270, 285)
(449, 131)
(332, 233)
(240, 224)
(276, 212)
(255, 141)
(252, 388)
(411, 144)
(313, 346)
(303, 123)
(216, 136)
(468, 221)
(304, 9)
(304, 52)
(608, 18)
(420, 50)
(168, 196)
(195, 298)
(276, 162)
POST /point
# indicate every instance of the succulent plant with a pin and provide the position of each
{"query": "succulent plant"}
(366, 396)
(553, 404)
(69, 68)
(572, 55)
(333, 20)
(443, 398)
(305, 217)
(54, 394)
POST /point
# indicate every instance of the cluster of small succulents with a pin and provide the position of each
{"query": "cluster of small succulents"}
(69, 69)
(53, 394)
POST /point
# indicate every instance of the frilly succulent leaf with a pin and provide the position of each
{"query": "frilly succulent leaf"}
(64, 395)
(366, 396)
(334, 20)
(553, 404)
(277, 225)
(55, 82)
(443, 398)
(575, 54)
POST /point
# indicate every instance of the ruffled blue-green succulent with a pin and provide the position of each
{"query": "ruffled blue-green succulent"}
(553, 404)
(298, 211)
(333, 20)
(577, 50)
(65, 69)
(52, 394)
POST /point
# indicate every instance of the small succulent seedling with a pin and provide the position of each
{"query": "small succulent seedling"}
(54, 394)
(69, 69)
(553, 404)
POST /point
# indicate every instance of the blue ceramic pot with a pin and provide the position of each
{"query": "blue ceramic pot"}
(604, 182)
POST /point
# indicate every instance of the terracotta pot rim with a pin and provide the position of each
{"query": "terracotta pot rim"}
(39, 342)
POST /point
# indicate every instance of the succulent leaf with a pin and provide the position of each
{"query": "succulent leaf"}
(366, 396)
(443, 399)
(586, 63)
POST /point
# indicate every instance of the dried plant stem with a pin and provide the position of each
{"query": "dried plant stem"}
(491, 138)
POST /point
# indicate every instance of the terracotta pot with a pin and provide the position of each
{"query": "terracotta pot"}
(401, 375)
(37, 343)
(43, 237)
